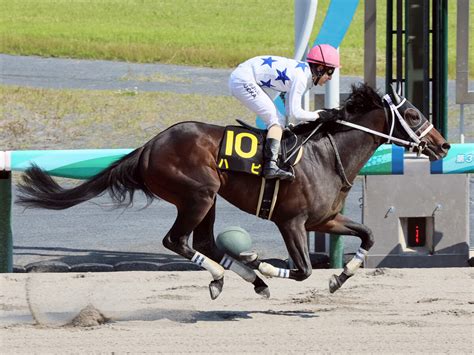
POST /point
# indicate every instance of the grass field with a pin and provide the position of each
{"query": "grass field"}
(216, 33)
(65, 119)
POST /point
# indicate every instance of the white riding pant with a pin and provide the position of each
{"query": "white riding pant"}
(243, 86)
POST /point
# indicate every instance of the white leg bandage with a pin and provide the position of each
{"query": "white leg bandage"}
(272, 271)
(355, 262)
(210, 265)
(240, 269)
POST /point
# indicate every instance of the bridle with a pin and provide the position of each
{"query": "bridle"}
(415, 136)
(395, 116)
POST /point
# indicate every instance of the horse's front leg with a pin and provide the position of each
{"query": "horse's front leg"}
(344, 226)
(294, 235)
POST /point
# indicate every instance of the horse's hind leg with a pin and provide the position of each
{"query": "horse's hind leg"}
(203, 235)
(343, 225)
(203, 241)
(190, 214)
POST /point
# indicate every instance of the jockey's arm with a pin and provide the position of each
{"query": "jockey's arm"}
(294, 103)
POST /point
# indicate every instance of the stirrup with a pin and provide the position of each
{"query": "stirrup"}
(278, 174)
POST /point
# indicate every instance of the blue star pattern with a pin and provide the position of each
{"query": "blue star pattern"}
(302, 65)
(267, 84)
(268, 61)
(282, 76)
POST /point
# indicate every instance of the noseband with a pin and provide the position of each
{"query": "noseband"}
(415, 136)
(395, 115)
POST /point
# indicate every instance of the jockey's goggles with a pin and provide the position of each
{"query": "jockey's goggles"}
(322, 69)
(329, 70)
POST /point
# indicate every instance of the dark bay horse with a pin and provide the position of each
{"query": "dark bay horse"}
(179, 165)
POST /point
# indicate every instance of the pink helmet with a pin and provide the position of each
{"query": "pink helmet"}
(324, 54)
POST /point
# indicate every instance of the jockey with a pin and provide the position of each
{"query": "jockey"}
(252, 82)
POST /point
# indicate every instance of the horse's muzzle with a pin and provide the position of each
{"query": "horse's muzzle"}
(436, 152)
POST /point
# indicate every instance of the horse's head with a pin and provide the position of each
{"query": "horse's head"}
(408, 124)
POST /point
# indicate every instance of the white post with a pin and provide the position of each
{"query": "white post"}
(332, 96)
(305, 12)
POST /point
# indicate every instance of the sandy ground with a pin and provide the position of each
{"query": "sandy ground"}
(377, 311)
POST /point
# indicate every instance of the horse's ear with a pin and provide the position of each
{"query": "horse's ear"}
(395, 94)
(399, 88)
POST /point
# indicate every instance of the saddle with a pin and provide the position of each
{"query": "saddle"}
(241, 149)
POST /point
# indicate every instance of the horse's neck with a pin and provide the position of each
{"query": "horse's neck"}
(356, 147)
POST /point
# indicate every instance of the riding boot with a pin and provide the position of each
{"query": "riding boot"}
(270, 158)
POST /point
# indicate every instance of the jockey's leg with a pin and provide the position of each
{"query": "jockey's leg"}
(271, 170)
(344, 226)
(245, 89)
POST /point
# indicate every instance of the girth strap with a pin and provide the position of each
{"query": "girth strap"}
(267, 198)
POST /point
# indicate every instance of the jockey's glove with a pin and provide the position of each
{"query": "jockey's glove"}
(329, 115)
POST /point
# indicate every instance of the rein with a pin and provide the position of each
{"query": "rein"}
(414, 135)
(303, 143)
(340, 167)
(416, 143)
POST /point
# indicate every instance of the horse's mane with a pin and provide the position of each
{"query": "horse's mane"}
(363, 99)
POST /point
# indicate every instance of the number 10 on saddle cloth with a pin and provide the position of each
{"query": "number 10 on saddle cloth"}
(241, 150)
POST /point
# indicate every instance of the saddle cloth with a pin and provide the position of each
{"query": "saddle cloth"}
(241, 149)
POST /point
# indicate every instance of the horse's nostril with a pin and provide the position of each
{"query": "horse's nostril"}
(446, 146)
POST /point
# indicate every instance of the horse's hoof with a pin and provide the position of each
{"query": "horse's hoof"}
(334, 283)
(215, 288)
(248, 257)
(263, 291)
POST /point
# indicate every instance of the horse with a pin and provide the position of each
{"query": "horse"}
(179, 165)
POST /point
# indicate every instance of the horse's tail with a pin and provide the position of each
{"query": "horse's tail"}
(120, 179)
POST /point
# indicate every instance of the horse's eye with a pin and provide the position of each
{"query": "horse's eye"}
(412, 117)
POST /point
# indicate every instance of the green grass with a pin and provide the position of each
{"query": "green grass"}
(65, 119)
(216, 33)
(68, 119)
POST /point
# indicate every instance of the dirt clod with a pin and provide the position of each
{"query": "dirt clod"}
(89, 317)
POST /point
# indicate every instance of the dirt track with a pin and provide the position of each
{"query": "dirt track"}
(377, 311)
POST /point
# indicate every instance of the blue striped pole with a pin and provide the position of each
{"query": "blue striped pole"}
(460, 160)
